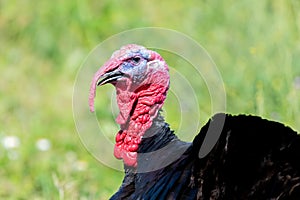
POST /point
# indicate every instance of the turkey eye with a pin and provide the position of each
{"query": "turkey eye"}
(135, 60)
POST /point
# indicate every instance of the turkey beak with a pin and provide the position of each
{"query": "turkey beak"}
(109, 77)
(103, 76)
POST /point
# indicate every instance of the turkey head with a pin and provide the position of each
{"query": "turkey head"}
(141, 79)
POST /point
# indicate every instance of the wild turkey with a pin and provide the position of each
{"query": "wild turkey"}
(253, 158)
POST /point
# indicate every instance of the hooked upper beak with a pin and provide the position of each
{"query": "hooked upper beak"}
(103, 77)
(109, 77)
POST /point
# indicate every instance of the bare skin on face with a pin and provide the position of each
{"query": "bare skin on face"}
(141, 79)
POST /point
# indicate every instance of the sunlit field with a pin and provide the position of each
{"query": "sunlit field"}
(255, 45)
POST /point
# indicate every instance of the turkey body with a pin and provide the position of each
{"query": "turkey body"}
(250, 158)
(253, 159)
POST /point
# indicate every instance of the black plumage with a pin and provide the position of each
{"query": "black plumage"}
(253, 159)
(249, 158)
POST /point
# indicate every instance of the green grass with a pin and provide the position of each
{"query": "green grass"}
(255, 44)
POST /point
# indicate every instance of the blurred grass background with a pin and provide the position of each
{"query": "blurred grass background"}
(255, 44)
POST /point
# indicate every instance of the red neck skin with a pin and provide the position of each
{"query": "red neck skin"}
(137, 111)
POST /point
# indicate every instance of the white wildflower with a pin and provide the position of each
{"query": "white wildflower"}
(10, 142)
(43, 144)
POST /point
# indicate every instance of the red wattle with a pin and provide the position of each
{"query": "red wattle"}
(135, 124)
(118, 152)
(139, 100)
(130, 158)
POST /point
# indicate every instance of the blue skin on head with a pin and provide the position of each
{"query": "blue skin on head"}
(136, 66)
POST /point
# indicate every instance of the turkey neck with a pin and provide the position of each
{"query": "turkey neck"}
(159, 147)
(157, 136)
(138, 109)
